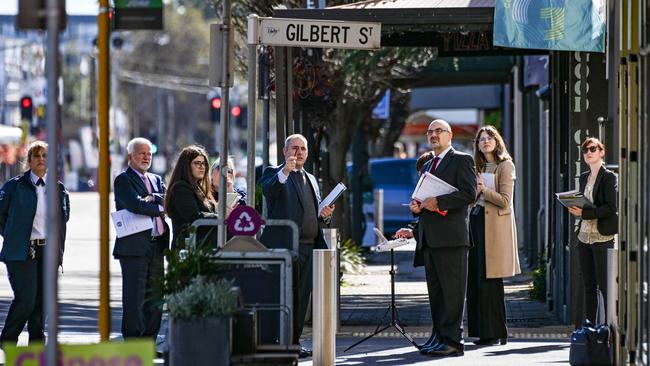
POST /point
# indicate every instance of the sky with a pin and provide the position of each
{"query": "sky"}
(73, 7)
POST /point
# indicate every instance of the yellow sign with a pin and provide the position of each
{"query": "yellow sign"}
(128, 353)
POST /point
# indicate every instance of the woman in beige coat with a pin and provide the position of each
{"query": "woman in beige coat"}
(493, 254)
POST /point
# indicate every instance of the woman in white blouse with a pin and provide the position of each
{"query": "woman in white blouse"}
(598, 225)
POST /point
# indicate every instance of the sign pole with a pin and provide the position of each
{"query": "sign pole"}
(253, 40)
(225, 85)
(104, 167)
(50, 274)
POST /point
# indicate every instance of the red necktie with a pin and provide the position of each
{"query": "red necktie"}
(434, 164)
(160, 227)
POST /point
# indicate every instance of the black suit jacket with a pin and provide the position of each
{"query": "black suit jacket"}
(435, 230)
(605, 200)
(184, 208)
(130, 192)
(284, 201)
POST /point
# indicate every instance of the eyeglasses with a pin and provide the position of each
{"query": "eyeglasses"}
(437, 131)
(486, 139)
(200, 164)
(588, 149)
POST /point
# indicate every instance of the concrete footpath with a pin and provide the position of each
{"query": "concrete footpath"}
(535, 338)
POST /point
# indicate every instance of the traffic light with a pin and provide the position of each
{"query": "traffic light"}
(215, 109)
(26, 108)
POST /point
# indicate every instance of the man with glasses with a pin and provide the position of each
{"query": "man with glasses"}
(23, 219)
(141, 254)
(443, 241)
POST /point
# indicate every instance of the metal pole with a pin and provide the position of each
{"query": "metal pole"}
(379, 211)
(225, 119)
(253, 40)
(103, 100)
(324, 304)
(53, 203)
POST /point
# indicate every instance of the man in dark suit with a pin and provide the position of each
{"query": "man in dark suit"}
(141, 254)
(443, 241)
(23, 220)
(292, 193)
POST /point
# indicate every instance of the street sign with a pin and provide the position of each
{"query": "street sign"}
(320, 33)
(138, 14)
(382, 109)
(244, 220)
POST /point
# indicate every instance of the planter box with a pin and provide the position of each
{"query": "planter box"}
(200, 341)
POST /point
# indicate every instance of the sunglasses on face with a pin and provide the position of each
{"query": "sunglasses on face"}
(589, 149)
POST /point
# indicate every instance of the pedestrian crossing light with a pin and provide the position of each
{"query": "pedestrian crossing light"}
(26, 108)
(215, 109)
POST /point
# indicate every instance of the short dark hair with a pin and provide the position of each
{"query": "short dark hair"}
(423, 160)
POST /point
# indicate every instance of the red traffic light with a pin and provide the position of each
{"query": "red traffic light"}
(26, 102)
(216, 103)
(236, 111)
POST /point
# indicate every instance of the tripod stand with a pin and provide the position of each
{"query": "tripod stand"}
(394, 316)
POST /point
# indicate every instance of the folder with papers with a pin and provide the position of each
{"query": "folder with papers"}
(127, 223)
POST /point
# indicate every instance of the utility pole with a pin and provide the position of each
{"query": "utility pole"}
(53, 203)
(103, 100)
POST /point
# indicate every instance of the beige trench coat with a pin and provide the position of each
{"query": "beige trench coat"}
(501, 252)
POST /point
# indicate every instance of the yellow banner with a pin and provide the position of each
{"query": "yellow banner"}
(127, 353)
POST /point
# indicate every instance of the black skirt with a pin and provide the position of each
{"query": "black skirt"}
(486, 307)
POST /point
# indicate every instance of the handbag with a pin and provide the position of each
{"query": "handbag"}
(592, 345)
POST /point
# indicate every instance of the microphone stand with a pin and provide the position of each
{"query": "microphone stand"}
(394, 316)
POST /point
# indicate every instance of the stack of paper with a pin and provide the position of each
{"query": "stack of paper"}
(431, 186)
(333, 196)
(573, 198)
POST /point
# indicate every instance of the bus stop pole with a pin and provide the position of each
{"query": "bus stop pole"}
(226, 83)
(325, 283)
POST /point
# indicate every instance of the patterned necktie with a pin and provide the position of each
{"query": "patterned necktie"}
(434, 164)
(160, 227)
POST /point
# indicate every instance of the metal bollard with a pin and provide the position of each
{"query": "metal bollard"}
(324, 307)
(379, 211)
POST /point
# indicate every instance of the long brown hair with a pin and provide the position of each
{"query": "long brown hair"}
(500, 151)
(183, 173)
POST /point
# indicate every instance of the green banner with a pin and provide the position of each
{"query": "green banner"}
(151, 4)
(137, 352)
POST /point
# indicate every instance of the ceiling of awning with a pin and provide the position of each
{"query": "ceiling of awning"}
(455, 27)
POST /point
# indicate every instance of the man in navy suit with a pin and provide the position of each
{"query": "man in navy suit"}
(23, 220)
(141, 254)
(292, 193)
(443, 241)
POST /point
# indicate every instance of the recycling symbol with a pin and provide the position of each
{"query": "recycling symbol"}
(244, 220)
(244, 223)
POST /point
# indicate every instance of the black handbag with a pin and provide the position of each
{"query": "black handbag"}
(592, 345)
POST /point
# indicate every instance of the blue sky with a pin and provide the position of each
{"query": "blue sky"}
(73, 7)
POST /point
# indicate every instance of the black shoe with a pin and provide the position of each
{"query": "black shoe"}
(427, 350)
(430, 342)
(304, 352)
(445, 350)
(490, 341)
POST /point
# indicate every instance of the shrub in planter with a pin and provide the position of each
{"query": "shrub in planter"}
(200, 326)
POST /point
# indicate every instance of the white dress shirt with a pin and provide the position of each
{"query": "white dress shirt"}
(39, 223)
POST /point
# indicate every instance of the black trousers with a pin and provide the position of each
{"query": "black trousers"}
(593, 265)
(142, 292)
(302, 288)
(446, 273)
(26, 280)
(486, 306)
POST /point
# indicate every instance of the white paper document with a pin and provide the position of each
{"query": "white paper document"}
(431, 186)
(127, 223)
(489, 180)
(231, 197)
(333, 196)
(386, 245)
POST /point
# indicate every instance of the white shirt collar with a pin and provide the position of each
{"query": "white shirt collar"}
(35, 177)
(442, 154)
